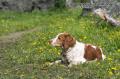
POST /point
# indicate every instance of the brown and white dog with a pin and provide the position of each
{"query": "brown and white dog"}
(75, 52)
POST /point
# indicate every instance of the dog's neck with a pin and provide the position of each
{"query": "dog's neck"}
(66, 50)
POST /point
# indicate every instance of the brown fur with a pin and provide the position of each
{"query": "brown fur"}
(92, 53)
(66, 40)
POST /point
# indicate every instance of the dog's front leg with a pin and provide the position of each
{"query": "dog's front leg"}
(56, 62)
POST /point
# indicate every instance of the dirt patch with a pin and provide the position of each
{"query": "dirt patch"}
(13, 37)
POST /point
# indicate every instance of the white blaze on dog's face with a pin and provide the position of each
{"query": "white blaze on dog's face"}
(57, 40)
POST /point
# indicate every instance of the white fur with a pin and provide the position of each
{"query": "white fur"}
(54, 40)
(75, 55)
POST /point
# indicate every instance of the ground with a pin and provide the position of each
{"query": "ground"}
(26, 54)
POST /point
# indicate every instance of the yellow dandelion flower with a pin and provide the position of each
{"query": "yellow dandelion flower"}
(22, 75)
(60, 77)
(55, 48)
(40, 50)
(110, 73)
(58, 53)
(47, 63)
(118, 50)
(34, 43)
(110, 38)
(60, 27)
(110, 59)
(80, 39)
(114, 68)
(84, 37)
(98, 63)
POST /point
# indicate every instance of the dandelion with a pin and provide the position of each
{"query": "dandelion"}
(114, 68)
(84, 37)
(110, 73)
(59, 27)
(80, 39)
(22, 75)
(34, 43)
(26, 56)
(58, 53)
(59, 77)
(47, 63)
(110, 59)
(110, 38)
(5, 73)
(98, 63)
(40, 50)
(55, 49)
(118, 50)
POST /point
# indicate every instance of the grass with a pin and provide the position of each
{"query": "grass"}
(28, 58)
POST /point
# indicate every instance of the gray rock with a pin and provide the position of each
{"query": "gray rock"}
(43, 4)
(26, 5)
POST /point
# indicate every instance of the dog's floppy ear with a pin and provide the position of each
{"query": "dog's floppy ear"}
(69, 41)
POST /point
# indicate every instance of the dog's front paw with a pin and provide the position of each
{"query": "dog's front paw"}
(50, 64)
(56, 62)
(70, 65)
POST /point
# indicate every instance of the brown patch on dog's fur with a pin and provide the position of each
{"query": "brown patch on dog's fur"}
(92, 53)
(67, 40)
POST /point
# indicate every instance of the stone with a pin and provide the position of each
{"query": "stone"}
(25, 5)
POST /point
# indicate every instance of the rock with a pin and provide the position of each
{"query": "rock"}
(26, 5)
(43, 4)
(16, 5)
(69, 3)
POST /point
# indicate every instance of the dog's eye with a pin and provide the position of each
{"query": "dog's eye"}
(59, 38)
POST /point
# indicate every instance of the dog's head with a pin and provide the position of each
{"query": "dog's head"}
(64, 40)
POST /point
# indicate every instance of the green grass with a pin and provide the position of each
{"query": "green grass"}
(28, 58)
(13, 22)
